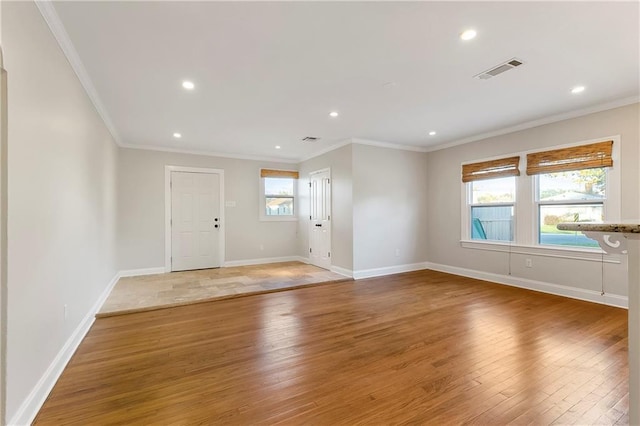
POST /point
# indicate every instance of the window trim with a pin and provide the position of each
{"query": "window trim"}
(466, 201)
(526, 211)
(270, 173)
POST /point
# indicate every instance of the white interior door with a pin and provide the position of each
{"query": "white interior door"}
(195, 221)
(320, 219)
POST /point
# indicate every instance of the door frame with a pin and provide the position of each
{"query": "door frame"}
(327, 170)
(167, 209)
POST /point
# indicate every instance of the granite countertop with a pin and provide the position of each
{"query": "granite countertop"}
(631, 228)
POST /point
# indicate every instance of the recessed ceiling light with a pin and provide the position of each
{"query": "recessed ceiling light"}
(177, 135)
(188, 85)
(278, 147)
(432, 133)
(468, 34)
(577, 89)
(333, 114)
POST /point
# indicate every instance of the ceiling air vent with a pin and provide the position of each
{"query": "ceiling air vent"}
(310, 139)
(499, 69)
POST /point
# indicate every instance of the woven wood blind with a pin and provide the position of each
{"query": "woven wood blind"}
(568, 159)
(278, 173)
(491, 169)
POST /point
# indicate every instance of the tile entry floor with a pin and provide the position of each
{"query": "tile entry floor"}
(150, 292)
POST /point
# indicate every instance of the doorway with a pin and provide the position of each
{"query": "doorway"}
(194, 235)
(320, 218)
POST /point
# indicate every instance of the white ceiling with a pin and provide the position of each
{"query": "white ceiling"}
(269, 73)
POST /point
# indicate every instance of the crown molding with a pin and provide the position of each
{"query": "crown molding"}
(540, 122)
(52, 19)
(212, 154)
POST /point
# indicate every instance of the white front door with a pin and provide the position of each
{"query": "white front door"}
(320, 218)
(195, 221)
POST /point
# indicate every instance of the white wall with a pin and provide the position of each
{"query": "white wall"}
(389, 207)
(379, 205)
(339, 161)
(141, 221)
(444, 212)
(61, 216)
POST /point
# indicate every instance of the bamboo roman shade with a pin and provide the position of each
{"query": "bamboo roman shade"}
(568, 159)
(278, 173)
(491, 169)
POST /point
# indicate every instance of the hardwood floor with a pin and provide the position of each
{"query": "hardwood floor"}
(421, 348)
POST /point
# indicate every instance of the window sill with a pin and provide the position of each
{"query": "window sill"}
(575, 253)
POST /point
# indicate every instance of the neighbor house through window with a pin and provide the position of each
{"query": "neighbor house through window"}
(491, 198)
(570, 187)
(277, 195)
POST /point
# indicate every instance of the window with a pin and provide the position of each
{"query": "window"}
(573, 182)
(491, 198)
(277, 194)
(570, 187)
(492, 209)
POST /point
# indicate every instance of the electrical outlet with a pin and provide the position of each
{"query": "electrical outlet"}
(261, 247)
(528, 263)
(397, 252)
(66, 311)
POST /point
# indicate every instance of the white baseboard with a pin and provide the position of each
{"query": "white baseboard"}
(143, 271)
(544, 287)
(388, 270)
(247, 262)
(342, 271)
(32, 404)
